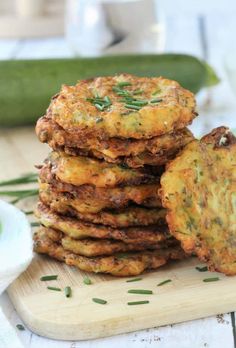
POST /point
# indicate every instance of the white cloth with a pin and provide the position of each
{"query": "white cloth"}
(15, 255)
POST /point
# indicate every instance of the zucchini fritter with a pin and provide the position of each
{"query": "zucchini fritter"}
(199, 191)
(82, 170)
(97, 247)
(123, 106)
(91, 199)
(128, 264)
(63, 203)
(135, 153)
(79, 229)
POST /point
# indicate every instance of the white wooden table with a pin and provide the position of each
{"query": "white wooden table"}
(183, 34)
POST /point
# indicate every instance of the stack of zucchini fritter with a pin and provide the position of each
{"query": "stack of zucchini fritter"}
(99, 189)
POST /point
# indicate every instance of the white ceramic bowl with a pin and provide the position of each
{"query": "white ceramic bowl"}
(16, 247)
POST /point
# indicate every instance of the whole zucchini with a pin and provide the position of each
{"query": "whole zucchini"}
(26, 86)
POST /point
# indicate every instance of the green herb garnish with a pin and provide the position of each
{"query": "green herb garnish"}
(68, 291)
(121, 92)
(20, 327)
(123, 84)
(49, 277)
(164, 282)
(157, 100)
(137, 303)
(158, 90)
(87, 281)
(140, 292)
(137, 92)
(133, 280)
(201, 269)
(29, 212)
(138, 102)
(99, 119)
(53, 288)
(99, 300)
(24, 179)
(133, 107)
(99, 106)
(35, 224)
(19, 193)
(213, 279)
(100, 103)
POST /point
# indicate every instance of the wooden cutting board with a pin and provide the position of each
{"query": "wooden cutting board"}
(51, 314)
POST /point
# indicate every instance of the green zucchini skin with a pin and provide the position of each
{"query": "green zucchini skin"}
(26, 86)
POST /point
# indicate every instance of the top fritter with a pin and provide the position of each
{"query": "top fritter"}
(123, 106)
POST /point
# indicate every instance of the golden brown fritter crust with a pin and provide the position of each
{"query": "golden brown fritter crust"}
(135, 153)
(169, 107)
(79, 229)
(199, 191)
(63, 204)
(132, 263)
(87, 171)
(97, 247)
(91, 199)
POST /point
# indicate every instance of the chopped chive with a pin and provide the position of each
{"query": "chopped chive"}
(213, 279)
(141, 292)
(133, 280)
(201, 269)
(134, 107)
(158, 90)
(99, 119)
(138, 102)
(28, 212)
(123, 84)
(49, 277)
(107, 100)
(87, 281)
(53, 288)
(68, 291)
(99, 300)
(157, 100)
(100, 103)
(164, 282)
(24, 179)
(137, 92)
(20, 327)
(19, 193)
(137, 303)
(35, 224)
(127, 100)
(99, 107)
(120, 92)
